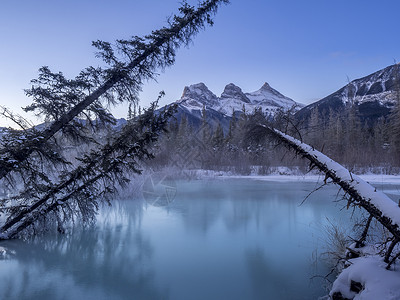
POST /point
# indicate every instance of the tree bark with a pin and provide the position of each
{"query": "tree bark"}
(346, 184)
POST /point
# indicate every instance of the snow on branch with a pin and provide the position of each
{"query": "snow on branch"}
(379, 205)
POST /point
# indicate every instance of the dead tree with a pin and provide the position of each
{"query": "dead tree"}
(361, 193)
(79, 191)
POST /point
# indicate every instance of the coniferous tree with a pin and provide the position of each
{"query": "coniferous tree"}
(75, 190)
(205, 128)
(130, 63)
(314, 128)
(241, 129)
(395, 118)
(130, 113)
(183, 131)
(79, 191)
(232, 128)
(218, 138)
(395, 128)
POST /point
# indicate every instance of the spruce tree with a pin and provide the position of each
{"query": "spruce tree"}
(130, 113)
(218, 138)
(55, 188)
(130, 63)
(395, 118)
(232, 128)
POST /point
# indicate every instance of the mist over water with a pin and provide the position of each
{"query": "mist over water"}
(220, 239)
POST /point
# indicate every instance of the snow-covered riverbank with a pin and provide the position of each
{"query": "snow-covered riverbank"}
(367, 278)
(364, 277)
(292, 176)
(371, 178)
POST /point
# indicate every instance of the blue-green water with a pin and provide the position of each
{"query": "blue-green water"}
(221, 239)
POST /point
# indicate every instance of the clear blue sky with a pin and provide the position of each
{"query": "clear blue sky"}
(305, 49)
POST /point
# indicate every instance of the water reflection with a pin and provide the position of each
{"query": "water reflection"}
(265, 204)
(234, 239)
(108, 261)
(260, 269)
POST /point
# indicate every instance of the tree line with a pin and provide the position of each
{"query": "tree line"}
(359, 145)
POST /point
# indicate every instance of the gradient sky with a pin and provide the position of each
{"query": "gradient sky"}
(304, 49)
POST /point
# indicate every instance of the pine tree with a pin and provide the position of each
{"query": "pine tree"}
(130, 113)
(332, 134)
(354, 136)
(395, 118)
(314, 128)
(75, 188)
(78, 191)
(183, 131)
(205, 128)
(218, 138)
(130, 63)
(241, 129)
(232, 128)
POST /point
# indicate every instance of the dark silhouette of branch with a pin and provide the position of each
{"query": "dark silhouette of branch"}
(110, 164)
(141, 58)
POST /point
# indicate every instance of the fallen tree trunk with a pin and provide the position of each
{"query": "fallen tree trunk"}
(362, 194)
(109, 163)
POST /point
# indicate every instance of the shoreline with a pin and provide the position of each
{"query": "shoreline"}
(370, 178)
(313, 177)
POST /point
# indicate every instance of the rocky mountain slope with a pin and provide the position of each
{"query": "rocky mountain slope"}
(232, 101)
(374, 95)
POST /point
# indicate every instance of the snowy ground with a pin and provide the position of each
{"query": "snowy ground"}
(367, 278)
(284, 176)
(376, 282)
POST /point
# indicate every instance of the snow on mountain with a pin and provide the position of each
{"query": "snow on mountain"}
(375, 95)
(379, 86)
(232, 91)
(233, 99)
(266, 95)
(194, 97)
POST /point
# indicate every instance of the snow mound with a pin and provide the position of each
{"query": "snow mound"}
(376, 282)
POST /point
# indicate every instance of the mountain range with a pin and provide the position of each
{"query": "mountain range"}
(374, 96)
(233, 100)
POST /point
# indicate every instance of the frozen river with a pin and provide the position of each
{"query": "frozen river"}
(217, 239)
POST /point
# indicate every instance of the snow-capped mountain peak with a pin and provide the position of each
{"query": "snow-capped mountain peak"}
(267, 89)
(271, 97)
(266, 86)
(232, 91)
(233, 99)
(198, 95)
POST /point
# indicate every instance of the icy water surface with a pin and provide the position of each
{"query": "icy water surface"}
(222, 239)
